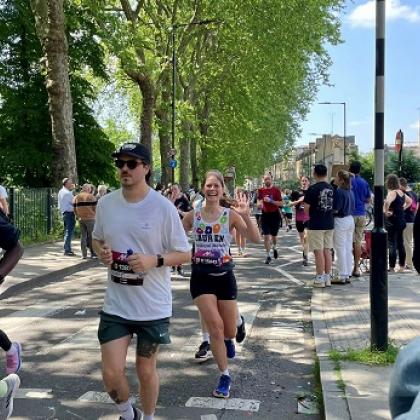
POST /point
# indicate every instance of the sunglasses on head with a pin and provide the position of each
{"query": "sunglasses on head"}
(131, 164)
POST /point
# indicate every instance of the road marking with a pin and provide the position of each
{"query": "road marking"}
(209, 417)
(100, 397)
(290, 263)
(16, 320)
(224, 404)
(83, 339)
(38, 393)
(289, 276)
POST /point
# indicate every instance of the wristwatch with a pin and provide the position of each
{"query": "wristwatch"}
(160, 260)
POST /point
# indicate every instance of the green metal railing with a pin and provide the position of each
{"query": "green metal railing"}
(34, 212)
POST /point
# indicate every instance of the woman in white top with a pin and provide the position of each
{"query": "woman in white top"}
(213, 284)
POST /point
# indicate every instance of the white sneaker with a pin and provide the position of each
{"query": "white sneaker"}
(327, 279)
(6, 402)
(319, 282)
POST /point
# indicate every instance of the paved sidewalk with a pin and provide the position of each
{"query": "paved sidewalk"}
(44, 262)
(341, 320)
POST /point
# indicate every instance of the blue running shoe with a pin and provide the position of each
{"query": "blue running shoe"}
(223, 388)
(230, 349)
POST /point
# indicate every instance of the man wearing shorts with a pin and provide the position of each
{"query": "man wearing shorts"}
(269, 200)
(362, 196)
(318, 204)
(139, 236)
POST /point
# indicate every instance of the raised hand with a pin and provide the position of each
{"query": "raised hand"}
(242, 204)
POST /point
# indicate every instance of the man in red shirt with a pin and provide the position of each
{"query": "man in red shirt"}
(269, 200)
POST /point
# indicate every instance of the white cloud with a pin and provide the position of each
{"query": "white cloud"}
(364, 15)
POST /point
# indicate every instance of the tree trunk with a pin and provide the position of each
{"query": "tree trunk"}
(50, 26)
(184, 158)
(164, 122)
(204, 128)
(162, 116)
(193, 158)
(148, 109)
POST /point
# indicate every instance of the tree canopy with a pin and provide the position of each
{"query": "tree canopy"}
(246, 73)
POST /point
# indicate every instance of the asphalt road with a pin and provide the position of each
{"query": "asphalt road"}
(61, 379)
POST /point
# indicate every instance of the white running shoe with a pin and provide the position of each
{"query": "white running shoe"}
(6, 402)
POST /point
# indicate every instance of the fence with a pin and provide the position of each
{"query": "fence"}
(34, 212)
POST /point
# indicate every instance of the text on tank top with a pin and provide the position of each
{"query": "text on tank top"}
(211, 239)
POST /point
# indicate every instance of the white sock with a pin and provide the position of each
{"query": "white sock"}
(126, 410)
(148, 416)
(206, 336)
(225, 372)
(239, 321)
(13, 349)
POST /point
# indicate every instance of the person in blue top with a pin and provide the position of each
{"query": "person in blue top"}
(362, 196)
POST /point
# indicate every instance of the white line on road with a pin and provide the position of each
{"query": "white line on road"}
(289, 276)
(100, 397)
(38, 393)
(209, 417)
(220, 404)
(290, 263)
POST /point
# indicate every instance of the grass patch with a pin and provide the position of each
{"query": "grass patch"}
(317, 386)
(367, 356)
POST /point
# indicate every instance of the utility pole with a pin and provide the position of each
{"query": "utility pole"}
(378, 272)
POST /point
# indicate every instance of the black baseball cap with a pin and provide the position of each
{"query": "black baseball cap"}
(136, 150)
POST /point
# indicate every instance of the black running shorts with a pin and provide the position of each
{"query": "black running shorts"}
(270, 223)
(222, 285)
(301, 226)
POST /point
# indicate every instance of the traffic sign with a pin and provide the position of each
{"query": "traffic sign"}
(172, 163)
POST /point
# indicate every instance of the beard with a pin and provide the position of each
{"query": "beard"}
(267, 184)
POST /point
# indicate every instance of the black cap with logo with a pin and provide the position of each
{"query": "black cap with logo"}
(136, 150)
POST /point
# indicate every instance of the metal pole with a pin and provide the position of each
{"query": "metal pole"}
(400, 154)
(173, 93)
(378, 259)
(344, 140)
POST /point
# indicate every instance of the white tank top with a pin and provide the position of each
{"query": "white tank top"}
(212, 240)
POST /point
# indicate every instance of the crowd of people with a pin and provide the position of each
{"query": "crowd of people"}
(142, 234)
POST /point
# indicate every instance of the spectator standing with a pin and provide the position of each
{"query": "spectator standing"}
(362, 196)
(269, 200)
(394, 205)
(318, 204)
(409, 216)
(138, 235)
(85, 210)
(102, 190)
(65, 205)
(343, 206)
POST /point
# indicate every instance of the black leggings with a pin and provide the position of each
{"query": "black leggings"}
(5, 343)
(396, 244)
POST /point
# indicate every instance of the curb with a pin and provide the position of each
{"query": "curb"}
(335, 402)
(44, 279)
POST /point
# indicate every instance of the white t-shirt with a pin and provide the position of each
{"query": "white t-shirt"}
(151, 226)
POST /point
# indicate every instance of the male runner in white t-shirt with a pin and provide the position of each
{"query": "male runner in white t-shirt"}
(139, 236)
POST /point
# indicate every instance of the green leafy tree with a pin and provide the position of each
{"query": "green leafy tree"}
(410, 168)
(25, 132)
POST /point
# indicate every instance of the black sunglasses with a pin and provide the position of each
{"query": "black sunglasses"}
(131, 164)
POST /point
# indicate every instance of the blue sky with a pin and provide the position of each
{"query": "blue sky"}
(352, 75)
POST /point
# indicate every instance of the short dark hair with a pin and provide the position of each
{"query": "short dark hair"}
(320, 169)
(355, 167)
